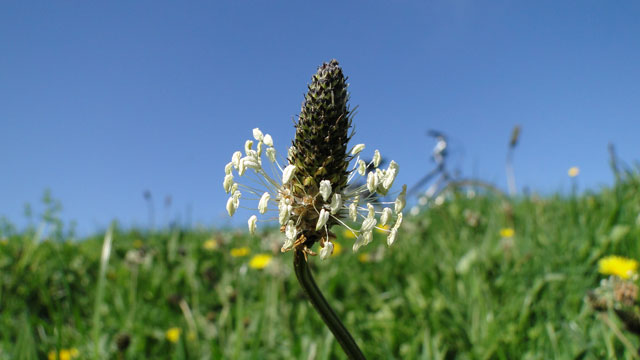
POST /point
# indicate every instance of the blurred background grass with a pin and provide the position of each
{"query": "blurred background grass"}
(476, 277)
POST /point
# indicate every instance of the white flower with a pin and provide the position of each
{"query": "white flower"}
(327, 250)
(252, 224)
(357, 149)
(322, 219)
(287, 173)
(277, 189)
(325, 189)
(264, 202)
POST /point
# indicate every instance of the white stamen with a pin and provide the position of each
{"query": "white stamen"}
(353, 212)
(287, 174)
(247, 146)
(376, 158)
(252, 224)
(228, 183)
(290, 231)
(398, 222)
(233, 203)
(401, 201)
(264, 202)
(285, 212)
(392, 236)
(372, 182)
(322, 219)
(327, 250)
(268, 140)
(325, 189)
(357, 149)
(271, 154)
(368, 224)
(257, 134)
(235, 159)
(386, 215)
(390, 175)
(362, 167)
(336, 203)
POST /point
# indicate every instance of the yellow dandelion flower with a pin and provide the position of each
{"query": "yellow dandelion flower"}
(173, 334)
(64, 354)
(384, 229)
(364, 258)
(618, 266)
(348, 234)
(337, 248)
(210, 245)
(574, 171)
(507, 232)
(137, 243)
(240, 252)
(260, 261)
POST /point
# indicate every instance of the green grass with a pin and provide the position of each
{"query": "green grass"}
(445, 290)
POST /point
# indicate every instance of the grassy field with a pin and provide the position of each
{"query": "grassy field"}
(455, 285)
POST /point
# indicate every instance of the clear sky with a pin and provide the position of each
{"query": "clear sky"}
(100, 101)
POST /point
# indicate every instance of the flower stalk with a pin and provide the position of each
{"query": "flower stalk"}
(303, 273)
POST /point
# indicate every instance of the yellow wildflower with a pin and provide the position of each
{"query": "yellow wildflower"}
(64, 354)
(364, 258)
(337, 248)
(348, 234)
(173, 334)
(507, 232)
(574, 171)
(210, 245)
(618, 266)
(260, 261)
(240, 252)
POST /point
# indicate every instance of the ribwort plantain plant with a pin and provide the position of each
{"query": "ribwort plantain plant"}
(314, 190)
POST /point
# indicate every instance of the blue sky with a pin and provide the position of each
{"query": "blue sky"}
(102, 101)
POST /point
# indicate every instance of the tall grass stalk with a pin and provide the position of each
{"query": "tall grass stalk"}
(104, 261)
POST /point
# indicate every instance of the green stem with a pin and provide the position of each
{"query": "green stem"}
(322, 307)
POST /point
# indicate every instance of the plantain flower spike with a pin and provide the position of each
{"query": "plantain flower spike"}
(312, 190)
